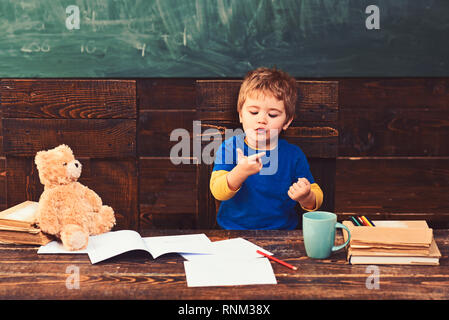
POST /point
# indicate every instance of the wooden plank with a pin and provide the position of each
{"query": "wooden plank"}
(3, 183)
(398, 188)
(1, 125)
(2, 153)
(115, 181)
(207, 205)
(168, 194)
(155, 128)
(22, 181)
(166, 94)
(68, 99)
(317, 100)
(323, 171)
(88, 138)
(394, 117)
(316, 142)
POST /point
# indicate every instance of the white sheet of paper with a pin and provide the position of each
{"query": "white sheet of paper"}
(212, 272)
(236, 248)
(57, 247)
(192, 243)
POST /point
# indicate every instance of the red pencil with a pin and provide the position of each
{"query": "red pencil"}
(277, 260)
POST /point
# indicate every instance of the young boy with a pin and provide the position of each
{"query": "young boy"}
(258, 177)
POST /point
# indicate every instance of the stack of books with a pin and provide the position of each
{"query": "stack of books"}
(391, 242)
(17, 225)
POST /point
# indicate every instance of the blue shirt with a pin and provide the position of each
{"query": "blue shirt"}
(262, 201)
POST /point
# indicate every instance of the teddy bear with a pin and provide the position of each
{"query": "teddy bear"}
(68, 209)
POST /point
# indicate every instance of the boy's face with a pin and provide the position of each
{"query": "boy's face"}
(263, 117)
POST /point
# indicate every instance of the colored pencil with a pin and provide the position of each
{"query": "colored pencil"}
(355, 222)
(360, 221)
(368, 224)
(366, 221)
(277, 260)
(369, 220)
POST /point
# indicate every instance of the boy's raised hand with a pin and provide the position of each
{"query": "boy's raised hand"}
(299, 190)
(250, 165)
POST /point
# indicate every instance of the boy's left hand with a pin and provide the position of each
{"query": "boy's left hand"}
(300, 190)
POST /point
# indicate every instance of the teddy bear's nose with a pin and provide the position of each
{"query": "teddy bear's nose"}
(76, 164)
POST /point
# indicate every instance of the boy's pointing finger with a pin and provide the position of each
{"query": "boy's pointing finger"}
(256, 156)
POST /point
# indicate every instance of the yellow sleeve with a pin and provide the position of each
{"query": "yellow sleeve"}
(315, 188)
(219, 186)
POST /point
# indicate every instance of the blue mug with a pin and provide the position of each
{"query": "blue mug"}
(319, 233)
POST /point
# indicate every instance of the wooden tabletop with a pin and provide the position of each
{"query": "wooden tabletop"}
(136, 275)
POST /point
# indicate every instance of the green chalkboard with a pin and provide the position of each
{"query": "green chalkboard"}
(222, 38)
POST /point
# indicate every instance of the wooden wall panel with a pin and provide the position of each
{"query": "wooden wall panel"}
(166, 94)
(2, 153)
(155, 128)
(96, 118)
(117, 184)
(317, 101)
(3, 189)
(1, 125)
(22, 180)
(120, 129)
(164, 105)
(394, 117)
(68, 99)
(393, 149)
(407, 188)
(114, 138)
(168, 194)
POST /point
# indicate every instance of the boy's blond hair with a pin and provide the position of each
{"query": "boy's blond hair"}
(273, 82)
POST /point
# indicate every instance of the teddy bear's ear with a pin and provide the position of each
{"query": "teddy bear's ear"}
(40, 156)
(64, 147)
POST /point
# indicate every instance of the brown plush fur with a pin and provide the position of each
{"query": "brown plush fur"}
(68, 209)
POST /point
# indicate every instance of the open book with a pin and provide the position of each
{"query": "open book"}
(108, 245)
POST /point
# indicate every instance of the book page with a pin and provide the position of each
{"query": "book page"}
(113, 243)
(56, 247)
(23, 212)
(193, 243)
(211, 272)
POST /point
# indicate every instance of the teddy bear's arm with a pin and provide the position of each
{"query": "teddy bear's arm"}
(48, 215)
(93, 199)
